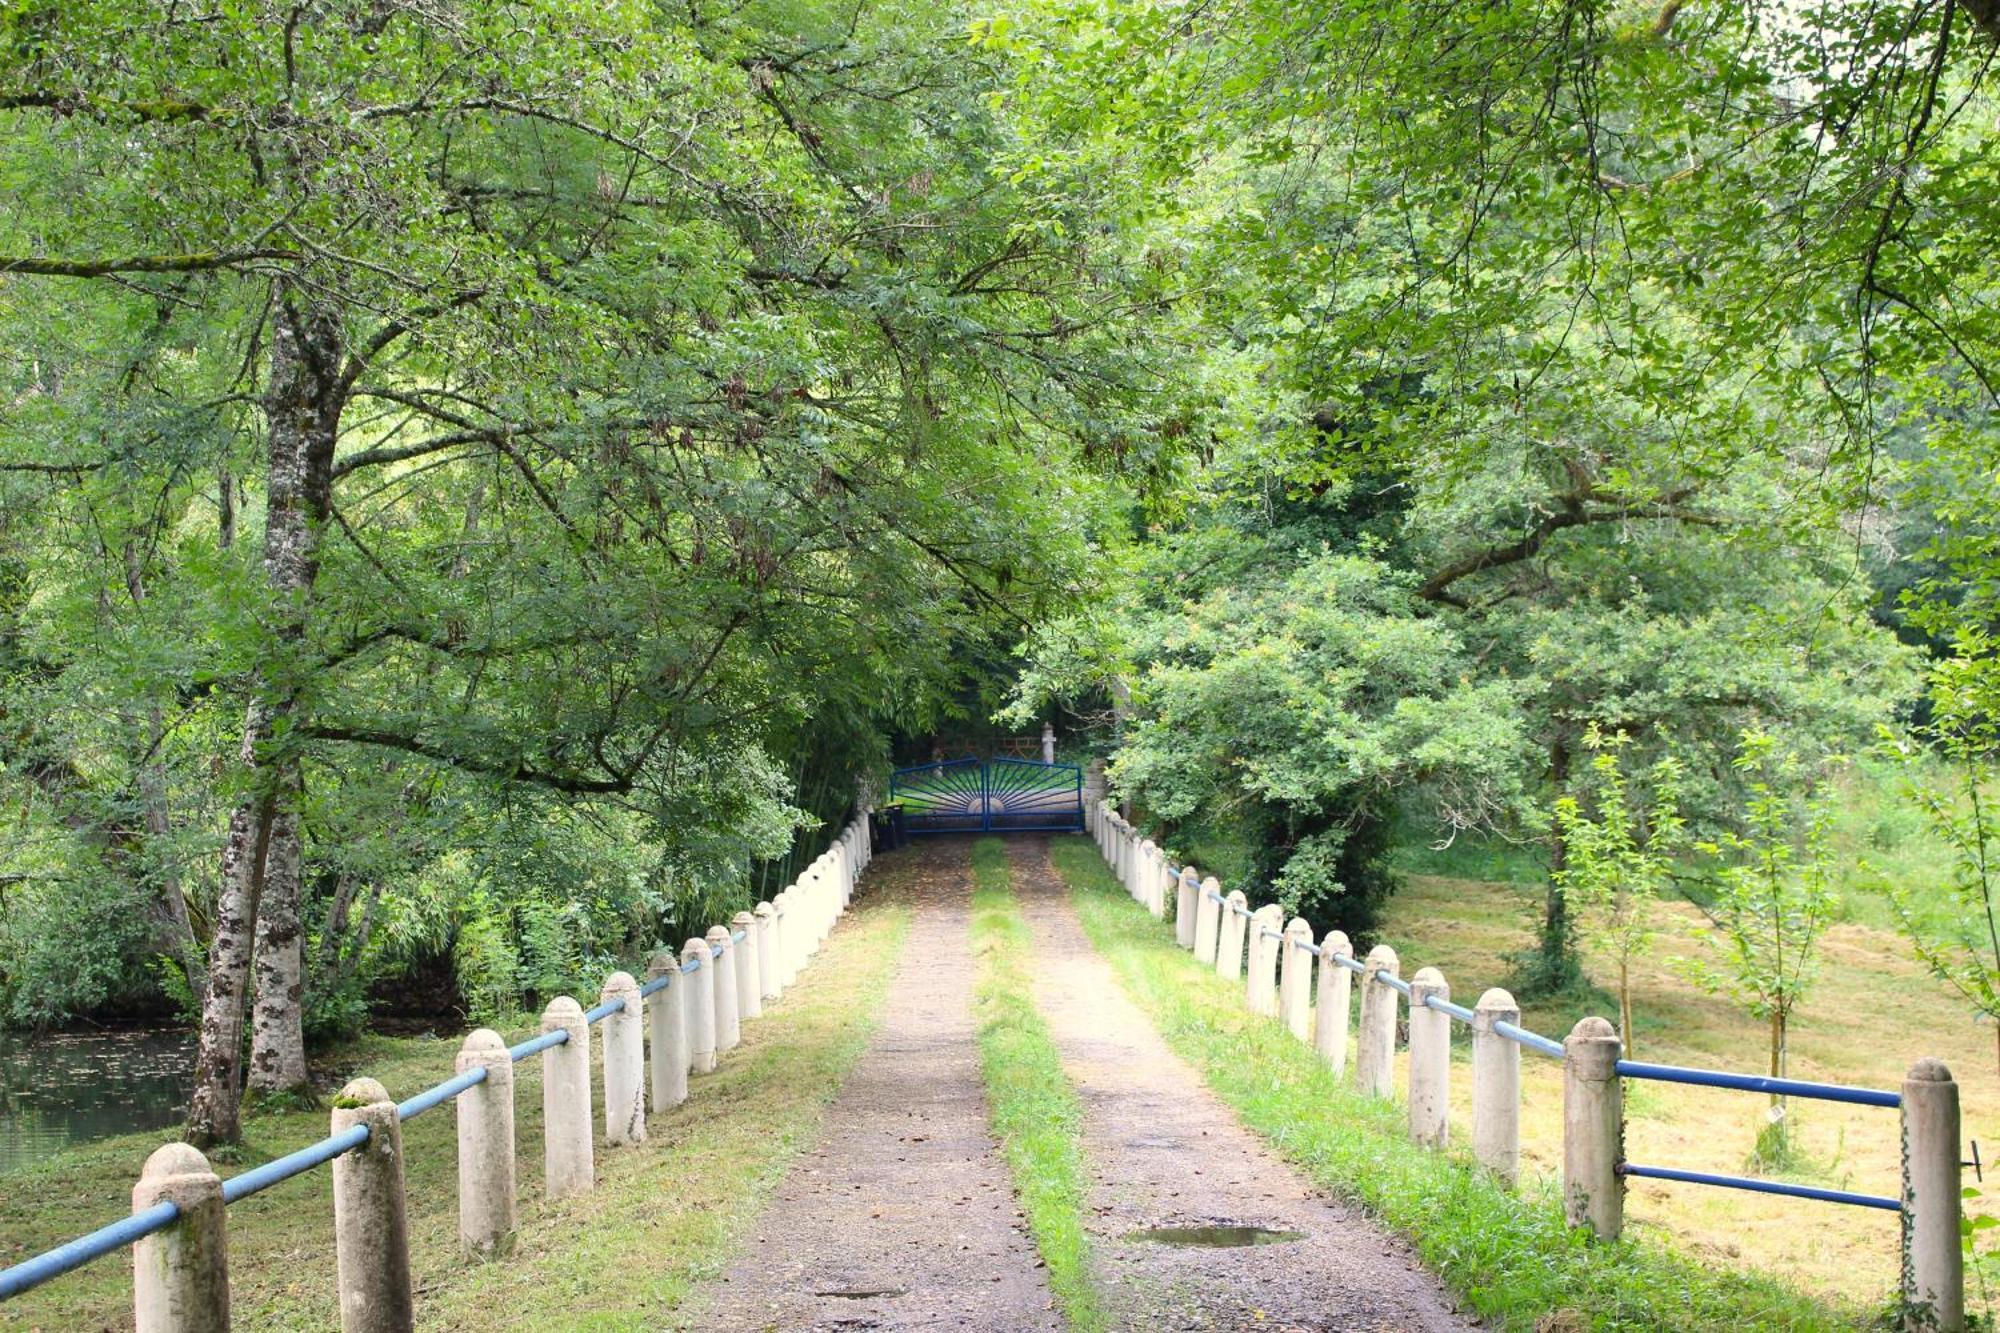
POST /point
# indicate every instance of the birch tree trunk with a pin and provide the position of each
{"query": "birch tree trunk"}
(257, 916)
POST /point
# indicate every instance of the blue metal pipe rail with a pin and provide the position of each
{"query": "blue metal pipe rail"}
(1777, 1087)
(1756, 1186)
(33, 1272)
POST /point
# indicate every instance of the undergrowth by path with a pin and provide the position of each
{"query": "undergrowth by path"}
(664, 1216)
(1035, 1111)
(1510, 1257)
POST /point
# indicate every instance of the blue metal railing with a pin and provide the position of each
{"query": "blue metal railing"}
(1681, 1074)
(33, 1272)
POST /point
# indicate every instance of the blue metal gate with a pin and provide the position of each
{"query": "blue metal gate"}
(1004, 795)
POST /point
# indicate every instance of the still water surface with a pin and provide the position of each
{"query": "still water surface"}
(67, 1088)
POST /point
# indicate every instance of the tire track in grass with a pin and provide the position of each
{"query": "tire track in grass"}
(1035, 1111)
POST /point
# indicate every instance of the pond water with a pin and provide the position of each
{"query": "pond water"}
(67, 1088)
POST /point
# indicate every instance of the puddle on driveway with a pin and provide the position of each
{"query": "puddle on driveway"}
(1214, 1237)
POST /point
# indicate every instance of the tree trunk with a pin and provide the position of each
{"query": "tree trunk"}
(1556, 947)
(261, 892)
(1625, 1008)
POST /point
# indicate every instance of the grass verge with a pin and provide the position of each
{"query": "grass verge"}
(1035, 1110)
(1508, 1256)
(663, 1216)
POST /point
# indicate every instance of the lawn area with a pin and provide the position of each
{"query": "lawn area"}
(663, 1216)
(1874, 1012)
(1508, 1254)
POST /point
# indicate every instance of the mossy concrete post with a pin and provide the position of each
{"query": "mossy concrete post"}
(1260, 978)
(749, 962)
(1375, 1046)
(1933, 1259)
(1496, 1087)
(1430, 1060)
(1295, 979)
(768, 945)
(666, 1024)
(567, 1167)
(1207, 918)
(699, 1009)
(1594, 1129)
(1121, 849)
(1093, 798)
(371, 1230)
(624, 1038)
(1187, 893)
(728, 1023)
(1229, 945)
(1166, 890)
(180, 1273)
(1336, 985)
(485, 1114)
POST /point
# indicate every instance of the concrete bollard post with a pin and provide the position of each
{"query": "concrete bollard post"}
(698, 1007)
(1207, 924)
(371, 1232)
(767, 955)
(1295, 979)
(1260, 979)
(1160, 883)
(1229, 945)
(1933, 1258)
(1375, 1048)
(788, 938)
(624, 1038)
(1330, 1014)
(1496, 1087)
(485, 1113)
(728, 1023)
(1430, 1061)
(749, 980)
(180, 1273)
(567, 1167)
(1594, 1130)
(1187, 893)
(666, 1026)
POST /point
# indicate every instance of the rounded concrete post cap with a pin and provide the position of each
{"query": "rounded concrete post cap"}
(366, 1091)
(661, 960)
(717, 934)
(1496, 1000)
(483, 1041)
(743, 919)
(618, 983)
(1382, 958)
(695, 948)
(1189, 874)
(1336, 941)
(1212, 884)
(170, 1161)
(1593, 1028)
(563, 1012)
(1427, 976)
(1928, 1070)
(1297, 926)
(766, 909)
(1236, 896)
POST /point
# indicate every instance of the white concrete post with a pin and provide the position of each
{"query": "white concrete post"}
(786, 926)
(1166, 890)
(698, 1006)
(1594, 1130)
(666, 1025)
(1375, 1049)
(1260, 982)
(768, 946)
(728, 1023)
(485, 1145)
(371, 1232)
(1933, 1259)
(1229, 951)
(624, 1041)
(1187, 894)
(1496, 1087)
(567, 1167)
(1336, 984)
(1207, 923)
(1430, 1061)
(180, 1273)
(1048, 743)
(1295, 979)
(749, 961)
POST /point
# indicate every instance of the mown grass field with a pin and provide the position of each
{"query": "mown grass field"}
(664, 1215)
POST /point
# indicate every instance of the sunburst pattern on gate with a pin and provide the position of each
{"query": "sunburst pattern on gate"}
(966, 796)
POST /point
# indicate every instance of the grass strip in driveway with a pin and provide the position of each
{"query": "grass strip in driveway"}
(1035, 1111)
(1510, 1257)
